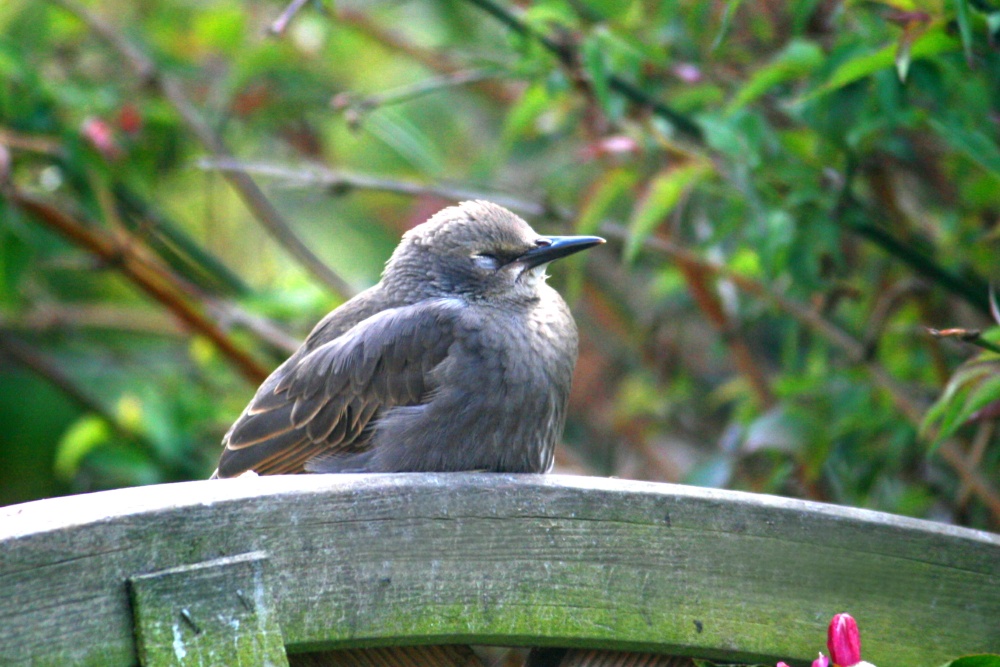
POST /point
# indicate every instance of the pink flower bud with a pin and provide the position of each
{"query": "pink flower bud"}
(101, 137)
(821, 661)
(687, 72)
(614, 145)
(782, 664)
(844, 641)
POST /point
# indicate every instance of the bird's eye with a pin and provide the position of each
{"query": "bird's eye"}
(485, 260)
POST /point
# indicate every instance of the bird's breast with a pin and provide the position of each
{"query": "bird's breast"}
(534, 346)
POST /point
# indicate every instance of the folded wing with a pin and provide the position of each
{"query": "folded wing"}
(326, 401)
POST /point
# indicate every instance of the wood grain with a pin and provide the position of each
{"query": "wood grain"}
(375, 560)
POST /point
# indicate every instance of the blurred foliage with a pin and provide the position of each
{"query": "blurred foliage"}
(795, 191)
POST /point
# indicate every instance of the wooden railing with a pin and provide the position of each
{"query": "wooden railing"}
(240, 571)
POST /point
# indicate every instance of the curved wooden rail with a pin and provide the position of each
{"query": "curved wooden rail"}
(367, 560)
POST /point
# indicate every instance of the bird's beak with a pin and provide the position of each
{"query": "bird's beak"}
(557, 246)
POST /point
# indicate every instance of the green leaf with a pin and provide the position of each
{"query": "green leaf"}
(964, 26)
(221, 28)
(521, 118)
(662, 195)
(727, 20)
(976, 145)
(596, 68)
(904, 55)
(608, 188)
(85, 435)
(400, 134)
(931, 43)
(799, 58)
(543, 16)
(985, 393)
(974, 385)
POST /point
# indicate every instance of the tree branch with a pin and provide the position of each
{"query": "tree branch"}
(708, 302)
(356, 106)
(160, 285)
(341, 182)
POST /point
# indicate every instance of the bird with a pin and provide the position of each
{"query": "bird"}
(460, 358)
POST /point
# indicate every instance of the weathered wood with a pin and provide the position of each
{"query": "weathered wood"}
(368, 560)
(213, 613)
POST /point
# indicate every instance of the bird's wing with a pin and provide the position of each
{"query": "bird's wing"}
(321, 403)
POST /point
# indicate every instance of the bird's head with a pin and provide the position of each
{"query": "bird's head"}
(478, 250)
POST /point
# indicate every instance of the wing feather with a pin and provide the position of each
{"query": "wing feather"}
(325, 398)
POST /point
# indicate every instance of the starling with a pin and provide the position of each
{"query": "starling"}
(460, 358)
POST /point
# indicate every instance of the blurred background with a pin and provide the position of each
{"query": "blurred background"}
(802, 200)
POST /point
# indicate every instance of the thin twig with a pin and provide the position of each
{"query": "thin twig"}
(251, 195)
(887, 303)
(971, 336)
(30, 143)
(48, 317)
(231, 315)
(994, 306)
(341, 182)
(280, 24)
(359, 105)
(984, 433)
(160, 285)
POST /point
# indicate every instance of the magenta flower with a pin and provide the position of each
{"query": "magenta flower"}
(844, 641)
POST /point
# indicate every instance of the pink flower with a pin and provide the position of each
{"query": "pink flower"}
(844, 641)
(782, 664)
(613, 145)
(101, 137)
(687, 72)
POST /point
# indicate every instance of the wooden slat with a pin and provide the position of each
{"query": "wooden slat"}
(213, 613)
(368, 560)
